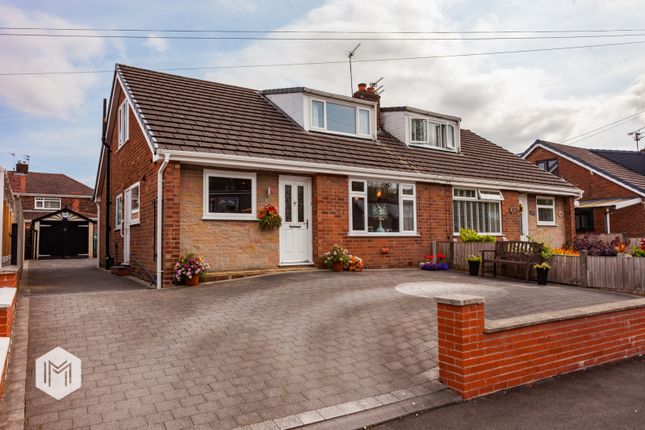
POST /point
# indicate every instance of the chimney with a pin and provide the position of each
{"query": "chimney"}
(369, 93)
(22, 167)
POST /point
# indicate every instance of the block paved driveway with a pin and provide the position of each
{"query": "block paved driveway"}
(251, 350)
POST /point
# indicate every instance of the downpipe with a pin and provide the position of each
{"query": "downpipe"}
(159, 249)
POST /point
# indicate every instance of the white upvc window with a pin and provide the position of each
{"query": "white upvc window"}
(135, 203)
(479, 210)
(47, 203)
(431, 134)
(382, 208)
(341, 118)
(123, 129)
(545, 208)
(230, 195)
(118, 212)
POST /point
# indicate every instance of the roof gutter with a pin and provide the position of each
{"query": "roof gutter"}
(236, 161)
(159, 249)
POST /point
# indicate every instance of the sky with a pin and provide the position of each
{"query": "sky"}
(510, 99)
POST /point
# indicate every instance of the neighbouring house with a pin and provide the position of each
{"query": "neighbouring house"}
(10, 218)
(613, 183)
(58, 214)
(187, 164)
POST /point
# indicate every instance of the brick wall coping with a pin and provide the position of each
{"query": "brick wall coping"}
(492, 326)
(459, 299)
(6, 270)
(7, 296)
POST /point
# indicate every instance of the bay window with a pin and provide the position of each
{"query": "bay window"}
(229, 195)
(341, 118)
(545, 210)
(479, 210)
(378, 207)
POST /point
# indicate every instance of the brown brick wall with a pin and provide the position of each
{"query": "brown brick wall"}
(555, 236)
(227, 245)
(629, 221)
(84, 206)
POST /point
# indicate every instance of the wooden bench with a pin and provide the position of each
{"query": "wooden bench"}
(516, 253)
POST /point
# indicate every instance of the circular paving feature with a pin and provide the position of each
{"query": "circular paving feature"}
(437, 288)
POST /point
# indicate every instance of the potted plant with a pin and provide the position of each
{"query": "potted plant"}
(337, 258)
(542, 270)
(190, 269)
(355, 264)
(269, 219)
(431, 263)
(473, 264)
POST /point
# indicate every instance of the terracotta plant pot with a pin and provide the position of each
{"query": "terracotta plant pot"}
(337, 266)
(192, 282)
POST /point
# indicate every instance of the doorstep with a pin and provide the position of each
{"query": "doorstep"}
(236, 274)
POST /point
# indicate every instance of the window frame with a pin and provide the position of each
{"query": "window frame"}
(443, 126)
(207, 215)
(541, 206)
(118, 211)
(138, 210)
(357, 115)
(42, 200)
(546, 162)
(478, 199)
(363, 194)
(123, 124)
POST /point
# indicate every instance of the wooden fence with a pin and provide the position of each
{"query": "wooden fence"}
(613, 273)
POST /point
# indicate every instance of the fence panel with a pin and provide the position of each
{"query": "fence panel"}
(565, 269)
(617, 273)
(463, 250)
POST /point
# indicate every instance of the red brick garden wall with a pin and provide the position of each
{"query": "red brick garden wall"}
(475, 363)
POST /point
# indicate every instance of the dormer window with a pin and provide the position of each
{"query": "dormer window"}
(431, 134)
(341, 118)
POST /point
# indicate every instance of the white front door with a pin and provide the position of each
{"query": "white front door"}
(524, 224)
(127, 215)
(295, 210)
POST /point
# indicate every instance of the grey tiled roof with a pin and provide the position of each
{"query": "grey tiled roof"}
(195, 115)
(600, 163)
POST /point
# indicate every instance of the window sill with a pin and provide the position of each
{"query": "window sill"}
(339, 133)
(227, 218)
(434, 148)
(546, 224)
(135, 223)
(484, 234)
(411, 234)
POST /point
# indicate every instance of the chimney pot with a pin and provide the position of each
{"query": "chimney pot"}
(22, 167)
(362, 86)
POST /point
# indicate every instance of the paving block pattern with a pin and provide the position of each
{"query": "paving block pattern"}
(290, 346)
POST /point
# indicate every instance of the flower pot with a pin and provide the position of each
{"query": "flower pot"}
(192, 282)
(473, 268)
(542, 276)
(337, 266)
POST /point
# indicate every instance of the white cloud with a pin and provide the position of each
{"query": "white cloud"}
(45, 95)
(153, 41)
(511, 99)
(237, 6)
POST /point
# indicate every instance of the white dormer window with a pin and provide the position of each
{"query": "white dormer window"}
(123, 123)
(341, 118)
(432, 134)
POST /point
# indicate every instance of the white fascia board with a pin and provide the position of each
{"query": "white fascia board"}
(74, 196)
(629, 202)
(584, 166)
(236, 161)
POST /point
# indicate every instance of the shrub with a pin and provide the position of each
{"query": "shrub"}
(563, 251)
(335, 255)
(544, 265)
(594, 245)
(469, 235)
(638, 252)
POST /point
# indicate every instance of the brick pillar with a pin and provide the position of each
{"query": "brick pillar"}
(171, 214)
(569, 220)
(460, 325)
